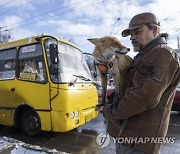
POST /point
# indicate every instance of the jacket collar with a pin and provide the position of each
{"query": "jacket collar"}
(155, 42)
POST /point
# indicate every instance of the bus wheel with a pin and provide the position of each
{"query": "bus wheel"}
(30, 123)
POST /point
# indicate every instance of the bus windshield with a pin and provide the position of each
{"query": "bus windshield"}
(72, 66)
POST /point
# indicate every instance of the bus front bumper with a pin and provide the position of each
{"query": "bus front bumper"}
(65, 121)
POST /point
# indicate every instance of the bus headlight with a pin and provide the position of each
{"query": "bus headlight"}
(76, 113)
(72, 115)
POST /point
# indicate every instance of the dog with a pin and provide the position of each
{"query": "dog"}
(110, 57)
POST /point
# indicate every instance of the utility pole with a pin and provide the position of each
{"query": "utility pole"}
(178, 43)
(1, 36)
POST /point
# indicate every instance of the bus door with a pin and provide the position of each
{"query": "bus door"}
(51, 47)
(7, 77)
(33, 86)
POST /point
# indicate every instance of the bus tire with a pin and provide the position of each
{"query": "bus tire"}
(30, 123)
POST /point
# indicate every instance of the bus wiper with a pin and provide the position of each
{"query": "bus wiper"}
(80, 77)
(84, 78)
(73, 81)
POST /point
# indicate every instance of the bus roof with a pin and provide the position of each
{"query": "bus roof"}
(30, 40)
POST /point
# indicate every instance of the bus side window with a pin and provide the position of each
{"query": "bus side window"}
(31, 64)
(7, 64)
(30, 70)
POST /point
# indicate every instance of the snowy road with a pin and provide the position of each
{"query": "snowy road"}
(80, 141)
(13, 146)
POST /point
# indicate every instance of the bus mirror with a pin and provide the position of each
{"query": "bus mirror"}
(54, 69)
(53, 49)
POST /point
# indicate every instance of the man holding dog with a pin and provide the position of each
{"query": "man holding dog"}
(149, 93)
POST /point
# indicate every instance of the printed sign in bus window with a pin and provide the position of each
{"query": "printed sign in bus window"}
(27, 76)
(30, 48)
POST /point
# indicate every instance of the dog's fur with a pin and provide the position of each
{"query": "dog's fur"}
(109, 50)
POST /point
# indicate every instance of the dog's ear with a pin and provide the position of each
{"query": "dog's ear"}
(93, 40)
(96, 41)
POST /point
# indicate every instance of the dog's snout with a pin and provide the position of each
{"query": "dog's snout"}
(128, 49)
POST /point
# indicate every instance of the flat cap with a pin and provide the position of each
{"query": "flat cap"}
(139, 20)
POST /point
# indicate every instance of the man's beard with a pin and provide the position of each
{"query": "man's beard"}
(137, 47)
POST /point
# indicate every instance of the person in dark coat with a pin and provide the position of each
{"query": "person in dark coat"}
(149, 90)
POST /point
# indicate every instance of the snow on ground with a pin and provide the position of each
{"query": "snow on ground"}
(13, 146)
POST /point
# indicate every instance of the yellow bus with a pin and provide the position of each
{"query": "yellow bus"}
(45, 84)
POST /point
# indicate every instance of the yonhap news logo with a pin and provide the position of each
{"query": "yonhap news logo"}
(103, 140)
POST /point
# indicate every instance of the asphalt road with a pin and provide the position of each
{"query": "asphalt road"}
(83, 139)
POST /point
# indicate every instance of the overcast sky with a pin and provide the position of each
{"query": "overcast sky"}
(77, 20)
